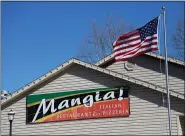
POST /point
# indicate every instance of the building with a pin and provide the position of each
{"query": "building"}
(115, 98)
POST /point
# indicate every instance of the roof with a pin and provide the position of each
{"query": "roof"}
(66, 65)
(170, 59)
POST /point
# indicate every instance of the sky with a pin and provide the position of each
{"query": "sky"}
(39, 36)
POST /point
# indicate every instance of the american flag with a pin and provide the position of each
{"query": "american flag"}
(137, 42)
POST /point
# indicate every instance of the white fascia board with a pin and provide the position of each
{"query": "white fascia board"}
(173, 60)
(38, 80)
(65, 65)
(130, 79)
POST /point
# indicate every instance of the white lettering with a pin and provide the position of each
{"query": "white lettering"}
(109, 95)
(63, 104)
(74, 101)
(44, 108)
(88, 101)
(97, 97)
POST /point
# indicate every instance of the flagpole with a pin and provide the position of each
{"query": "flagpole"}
(166, 71)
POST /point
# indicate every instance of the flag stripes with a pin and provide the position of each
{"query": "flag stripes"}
(136, 54)
(134, 43)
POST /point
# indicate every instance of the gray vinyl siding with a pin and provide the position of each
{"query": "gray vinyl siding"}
(148, 69)
(147, 116)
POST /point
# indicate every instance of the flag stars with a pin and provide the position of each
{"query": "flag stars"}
(149, 29)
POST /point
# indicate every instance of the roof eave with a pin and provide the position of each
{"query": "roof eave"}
(37, 82)
(64, 66)
(109, 58)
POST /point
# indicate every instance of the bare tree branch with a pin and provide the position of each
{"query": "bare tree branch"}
(99, 44)
(178, 40)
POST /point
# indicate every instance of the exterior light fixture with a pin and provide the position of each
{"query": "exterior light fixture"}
(11, 118)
